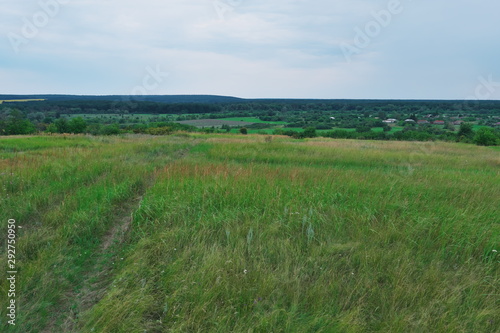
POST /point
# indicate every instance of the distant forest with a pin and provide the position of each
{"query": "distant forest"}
(394, 119)
(216, 104)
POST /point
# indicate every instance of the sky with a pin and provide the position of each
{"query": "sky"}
(329, 49)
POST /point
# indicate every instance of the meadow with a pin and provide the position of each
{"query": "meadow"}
(20, 100)
(234, 233)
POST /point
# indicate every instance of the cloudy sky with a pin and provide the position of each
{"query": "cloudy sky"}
(418, 49)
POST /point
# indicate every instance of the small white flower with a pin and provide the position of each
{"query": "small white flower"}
(245, 271)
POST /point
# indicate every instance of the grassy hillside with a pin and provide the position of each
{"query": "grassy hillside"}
(232, 233)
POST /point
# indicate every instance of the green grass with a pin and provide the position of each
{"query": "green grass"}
(476, 127)
(16, 144)
(233, 233)
(254, 131)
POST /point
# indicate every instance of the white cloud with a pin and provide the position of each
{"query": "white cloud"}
(256, 49)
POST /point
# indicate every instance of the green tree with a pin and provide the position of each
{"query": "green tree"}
(77, 125)
(110, 130)
(18, 124)
(485, 136)
(95, 129)
(244, 131)
(309, 132)
(52, 128)
(62, 125)
(363, 128)
(465, 132)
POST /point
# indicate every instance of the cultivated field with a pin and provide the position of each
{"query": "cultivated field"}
(21, 100)
(233, 233)
(214, 122)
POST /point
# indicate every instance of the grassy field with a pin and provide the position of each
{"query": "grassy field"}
(233, 233)
(21, 100)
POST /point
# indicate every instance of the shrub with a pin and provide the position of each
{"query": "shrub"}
(309, 132)
(159, 131)
(110, 130)
(465, 133)
(485, 137)
(77, 125)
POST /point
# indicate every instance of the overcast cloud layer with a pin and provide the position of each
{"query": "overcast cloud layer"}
(252, 48)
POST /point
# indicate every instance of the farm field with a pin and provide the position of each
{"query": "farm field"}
(255, 120)
(214, 122)
(21, 100)
(232, 233)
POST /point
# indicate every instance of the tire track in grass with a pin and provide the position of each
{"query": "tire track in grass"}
(100, 271)
(102, 264)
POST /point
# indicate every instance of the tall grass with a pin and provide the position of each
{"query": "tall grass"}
(242, 235)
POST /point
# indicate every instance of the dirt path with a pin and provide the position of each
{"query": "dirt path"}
(99, 274)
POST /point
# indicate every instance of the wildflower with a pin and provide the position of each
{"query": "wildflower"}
(245, 271)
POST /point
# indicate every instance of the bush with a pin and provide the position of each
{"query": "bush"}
(159, 131)
(465, 133)
(62, 125)
(77, 125)
(51, 129)
(110, 130)
(486, 137)
(309, 132)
